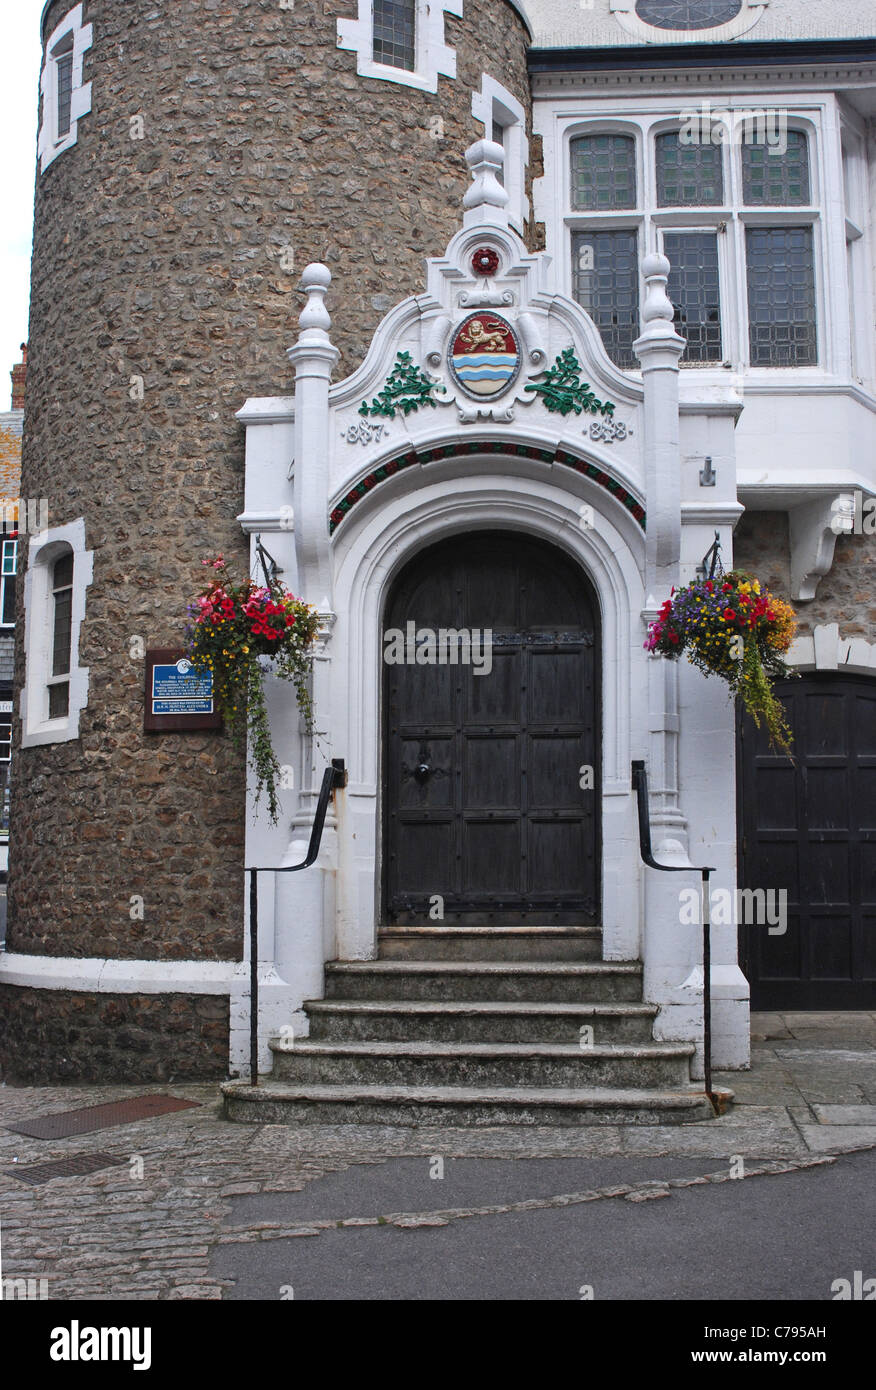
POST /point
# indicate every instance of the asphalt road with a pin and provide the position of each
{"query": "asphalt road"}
(787, 1236)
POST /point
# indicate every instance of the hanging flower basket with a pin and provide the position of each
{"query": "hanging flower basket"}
(730, 626)
(233, 627)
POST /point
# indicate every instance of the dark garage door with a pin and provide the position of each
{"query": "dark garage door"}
(810, 828)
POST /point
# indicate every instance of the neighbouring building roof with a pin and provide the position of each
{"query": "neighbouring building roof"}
(11, 422)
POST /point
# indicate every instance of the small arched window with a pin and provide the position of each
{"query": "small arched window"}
(775, 175)
(66, 97)
(603, 172)
(401, 41)
(55, 692)
(62, 56)
(688, 175)
(62, 631)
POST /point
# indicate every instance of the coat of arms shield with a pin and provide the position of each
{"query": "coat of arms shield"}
(484, 355)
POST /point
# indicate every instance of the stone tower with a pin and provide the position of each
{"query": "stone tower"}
(211, 151)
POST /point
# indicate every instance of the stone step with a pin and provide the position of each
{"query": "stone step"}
(473, 1021)
(490, 943)
(506, 1065)
(277, 1102)
(588, 982)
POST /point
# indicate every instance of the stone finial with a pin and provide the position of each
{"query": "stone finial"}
(486, 200)
(314, 318)
(657, 310)
(658, 305)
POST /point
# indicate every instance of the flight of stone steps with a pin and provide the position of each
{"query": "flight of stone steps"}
(478, 1026)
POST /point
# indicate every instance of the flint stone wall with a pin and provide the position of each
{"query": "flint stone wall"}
(846, 595)
(66, 1036)
(160, 258)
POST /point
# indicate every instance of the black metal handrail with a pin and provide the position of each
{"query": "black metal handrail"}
(640, 784)
(333, 778)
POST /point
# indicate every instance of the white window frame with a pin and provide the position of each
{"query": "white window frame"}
(49, 143)
(44, 550)
(624, 12)
(644, 119)
(434, 58)
(494, 103)
(6, 540)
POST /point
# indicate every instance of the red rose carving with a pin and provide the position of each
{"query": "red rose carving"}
(485, 261)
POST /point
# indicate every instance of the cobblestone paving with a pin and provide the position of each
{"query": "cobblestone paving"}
(147, 1229)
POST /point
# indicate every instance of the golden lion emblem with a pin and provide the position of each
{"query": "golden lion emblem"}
(483, 338)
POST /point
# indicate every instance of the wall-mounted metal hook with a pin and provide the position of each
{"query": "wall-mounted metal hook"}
(708, 476)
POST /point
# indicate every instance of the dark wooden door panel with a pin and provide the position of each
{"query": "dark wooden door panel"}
(810, 828)
(483, 803)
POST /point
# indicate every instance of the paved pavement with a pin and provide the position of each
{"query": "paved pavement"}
(203, 1209)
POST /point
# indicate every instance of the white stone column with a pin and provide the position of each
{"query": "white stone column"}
(305, 900)
(671, 949)
(313, 357)
(658, 349)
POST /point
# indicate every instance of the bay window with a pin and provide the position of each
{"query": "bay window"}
(732, 209)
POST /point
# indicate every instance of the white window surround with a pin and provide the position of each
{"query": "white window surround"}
(495, 103)
(624, 12)
(433, 55)
(49, 145)
(560, 120)
(44, 550)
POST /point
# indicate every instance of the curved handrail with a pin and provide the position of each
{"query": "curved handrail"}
(640, 785)
(334, 777)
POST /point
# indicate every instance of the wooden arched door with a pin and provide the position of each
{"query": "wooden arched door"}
(491, 752)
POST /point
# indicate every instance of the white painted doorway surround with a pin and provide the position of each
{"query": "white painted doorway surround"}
(343, 500)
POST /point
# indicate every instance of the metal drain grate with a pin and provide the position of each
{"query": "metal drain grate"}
(92, 1117)
(76, 1167)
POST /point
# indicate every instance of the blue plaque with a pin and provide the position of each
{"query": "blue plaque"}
(179, 689)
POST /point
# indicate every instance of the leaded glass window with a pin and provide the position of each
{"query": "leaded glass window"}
(687, 14)
(603, 173)
(770, 175)
(395, 33)
(62, 624)
(606, 285)
(781, 296)
(62, 589)
(695, 292)
(688, 175)
(63, 56)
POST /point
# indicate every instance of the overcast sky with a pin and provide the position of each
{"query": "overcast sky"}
(18, 117)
